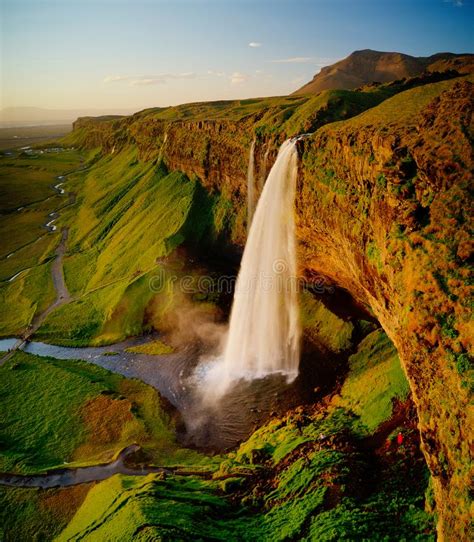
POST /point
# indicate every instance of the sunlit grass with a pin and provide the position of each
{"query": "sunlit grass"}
(375, 380)
(26, 179)
(27, 295)
(153, 348)
(55, 412)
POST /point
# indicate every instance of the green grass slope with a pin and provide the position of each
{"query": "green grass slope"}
(26, 184)
(306, 476)
(54, 412)
(375, 380)
(129, 216)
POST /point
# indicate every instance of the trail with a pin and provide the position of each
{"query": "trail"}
(62, 293)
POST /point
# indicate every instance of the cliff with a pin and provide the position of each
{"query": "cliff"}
(383, 212)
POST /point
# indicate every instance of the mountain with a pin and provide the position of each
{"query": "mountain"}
(29, 116)
(366, 66)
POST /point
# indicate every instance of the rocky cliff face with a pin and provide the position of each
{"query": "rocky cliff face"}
(383, 212)
(363, 67)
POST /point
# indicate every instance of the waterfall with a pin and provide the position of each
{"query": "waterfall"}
(264, 167)
(251, 186)
(264, 331)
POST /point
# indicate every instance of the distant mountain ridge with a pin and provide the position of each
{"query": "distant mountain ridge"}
(34, 116)
(367, 66)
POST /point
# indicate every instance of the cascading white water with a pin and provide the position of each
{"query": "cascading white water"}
(264, 331)
(251, 186)
(263, 175)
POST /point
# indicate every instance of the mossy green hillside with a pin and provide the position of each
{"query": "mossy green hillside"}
(323, 327)
(68, 413)
(374, 382)
(38, 514)
(56, 411)
(128, 217)
(27, 296)
(305, 476)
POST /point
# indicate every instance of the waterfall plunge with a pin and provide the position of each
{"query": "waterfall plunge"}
(251, 186)
(264, 330)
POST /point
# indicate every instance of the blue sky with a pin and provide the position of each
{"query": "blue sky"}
(142, 53)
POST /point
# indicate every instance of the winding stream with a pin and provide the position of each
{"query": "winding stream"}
(79, 475)
(206, 427)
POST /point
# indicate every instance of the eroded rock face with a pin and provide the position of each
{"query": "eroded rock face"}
(383, 211)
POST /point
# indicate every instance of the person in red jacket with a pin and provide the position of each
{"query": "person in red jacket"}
(400, 439)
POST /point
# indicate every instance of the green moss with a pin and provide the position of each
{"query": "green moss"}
(372, 522)
(25, 297)
(127, 508)
(155, 348)
(373, 253)
(463, 363)
(374, 381)
(24, 514)
(381, 181)
(323, 327)
(313, 496)
(403, 107)
(447, 322)
(42, 425)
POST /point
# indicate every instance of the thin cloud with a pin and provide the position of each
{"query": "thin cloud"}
(456, 3)
(255, 44)
(116, 78)
(237, 78)
(216, 74)
(146, 80)
(293, 60)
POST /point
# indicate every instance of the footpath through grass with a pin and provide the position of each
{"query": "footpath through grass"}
(27, 199)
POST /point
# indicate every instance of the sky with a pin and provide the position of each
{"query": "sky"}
(129, 55)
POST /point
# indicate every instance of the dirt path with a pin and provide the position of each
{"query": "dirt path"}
(62, 293)
(62, 297)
